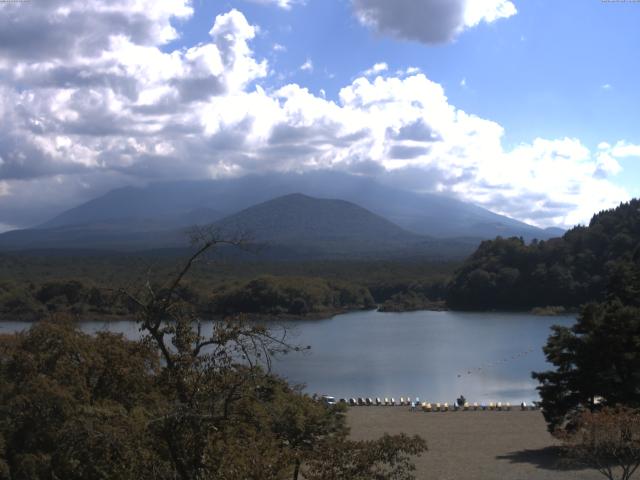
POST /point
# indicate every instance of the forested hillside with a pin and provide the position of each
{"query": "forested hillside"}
(37, 285)
(587, 264)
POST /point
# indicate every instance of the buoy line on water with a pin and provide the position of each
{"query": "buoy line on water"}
(486, 366)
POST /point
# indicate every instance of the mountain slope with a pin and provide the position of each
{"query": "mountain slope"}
(299, 226)
(425, 214)
(298, 218)
(290, 227)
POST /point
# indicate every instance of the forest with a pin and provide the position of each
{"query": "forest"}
(90, 285)
(589, 263)
(178, 404)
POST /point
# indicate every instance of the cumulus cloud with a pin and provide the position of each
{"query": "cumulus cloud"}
(429, 21)
(623, 149)
(70, 29)
(376, 69)
(117, 108)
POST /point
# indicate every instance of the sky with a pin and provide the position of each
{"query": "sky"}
(527, 108)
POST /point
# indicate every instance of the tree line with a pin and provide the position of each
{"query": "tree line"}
(589, 263)
(264, 294)
(184, 402)
(591, 396)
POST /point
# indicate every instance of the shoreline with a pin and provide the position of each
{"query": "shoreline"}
(286, 317)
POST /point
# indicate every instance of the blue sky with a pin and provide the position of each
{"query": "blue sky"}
(526, 108)
(554, 69)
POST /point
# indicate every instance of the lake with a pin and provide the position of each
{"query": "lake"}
(432, 355)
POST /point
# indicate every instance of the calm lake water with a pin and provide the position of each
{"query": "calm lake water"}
(433, 355)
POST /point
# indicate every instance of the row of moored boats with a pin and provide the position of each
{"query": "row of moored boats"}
(428, 406)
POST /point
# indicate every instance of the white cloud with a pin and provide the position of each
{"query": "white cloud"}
(606, 86)
(125, 111)
(477, 11)
(377, 69)
(623, 149)
(607, 165)
(463, 83)
(279, 48)
(307, 66)
(429, 21)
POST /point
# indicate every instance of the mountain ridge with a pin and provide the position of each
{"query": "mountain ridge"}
(291, 221)
(422, 213)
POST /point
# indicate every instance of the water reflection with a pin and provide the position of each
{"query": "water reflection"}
(432, 355)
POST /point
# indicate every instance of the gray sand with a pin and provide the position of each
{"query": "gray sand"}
(470, 445)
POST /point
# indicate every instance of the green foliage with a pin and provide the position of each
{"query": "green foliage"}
(290, 295)
(408, 302)
(591, 263)
(34, 287)
(75, 406)
(386, 458)
(180, 403)
(597, 363)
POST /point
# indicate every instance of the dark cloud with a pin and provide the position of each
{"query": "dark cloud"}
(78, 76)
(365, 167)
(428, 21)
(199, 88)
(536, 206)
(425, 179)
(402, 152)
(317, 135)
(21, 159)
(417, 131)
(37, 200)
(36, 31)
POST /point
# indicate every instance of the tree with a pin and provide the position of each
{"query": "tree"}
(597, 364)
(587, 264)
(188, 401)
(75, 406)
(388, 458)
(212, 381)
(608, 441)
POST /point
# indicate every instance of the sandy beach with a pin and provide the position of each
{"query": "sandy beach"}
(470, 445)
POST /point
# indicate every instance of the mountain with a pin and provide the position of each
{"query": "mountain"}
(555, 231)
(321, 227)
(169, 203)
(296, 218)
(95, 236)
(291, 227)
